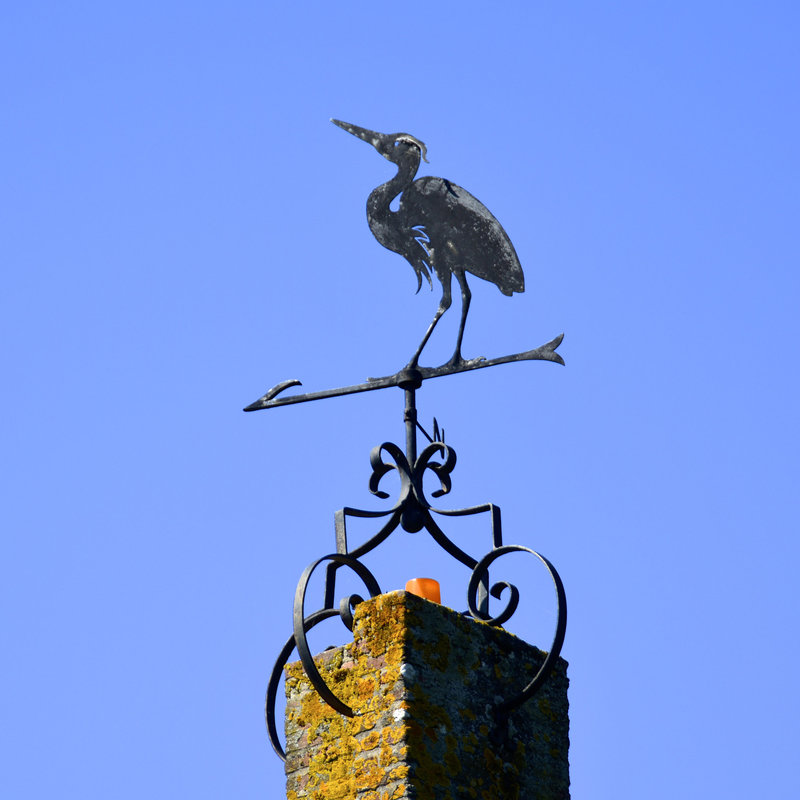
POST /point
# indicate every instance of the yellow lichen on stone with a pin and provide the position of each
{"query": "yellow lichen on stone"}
(393, 734)
(399, 772)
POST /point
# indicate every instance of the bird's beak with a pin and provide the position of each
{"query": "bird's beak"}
(371, 137)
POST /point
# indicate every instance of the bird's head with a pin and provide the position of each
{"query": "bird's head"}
(392, 146)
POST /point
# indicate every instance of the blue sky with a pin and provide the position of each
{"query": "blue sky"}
(181, 228)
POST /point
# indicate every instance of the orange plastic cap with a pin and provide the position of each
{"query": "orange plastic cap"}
(425, 587)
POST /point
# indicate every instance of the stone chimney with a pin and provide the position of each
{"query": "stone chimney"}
(423, 682)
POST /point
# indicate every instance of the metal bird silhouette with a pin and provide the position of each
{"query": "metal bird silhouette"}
(438, 227)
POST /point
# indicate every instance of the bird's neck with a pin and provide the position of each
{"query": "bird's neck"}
(379, 215)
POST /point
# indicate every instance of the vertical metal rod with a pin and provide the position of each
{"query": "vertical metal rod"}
(410, 418)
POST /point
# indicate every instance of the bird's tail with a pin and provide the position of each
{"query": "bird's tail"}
(421, 270)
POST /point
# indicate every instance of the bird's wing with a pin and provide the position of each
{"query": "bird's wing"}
(463, 231)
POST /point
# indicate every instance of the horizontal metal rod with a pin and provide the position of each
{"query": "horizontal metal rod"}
(269, 401)
(547, 352)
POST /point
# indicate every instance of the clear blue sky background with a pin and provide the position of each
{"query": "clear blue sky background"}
(181, 227)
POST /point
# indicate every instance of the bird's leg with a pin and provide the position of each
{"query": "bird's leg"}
(447, 299)
(466, 296)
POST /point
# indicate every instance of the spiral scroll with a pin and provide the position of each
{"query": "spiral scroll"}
(411, 476)
(479, 575)
(303, 624)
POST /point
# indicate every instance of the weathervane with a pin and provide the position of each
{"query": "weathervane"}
(438, 228)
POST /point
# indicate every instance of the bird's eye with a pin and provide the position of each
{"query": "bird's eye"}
(397, 143)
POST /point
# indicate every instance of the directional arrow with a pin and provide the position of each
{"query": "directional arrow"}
(408, 377)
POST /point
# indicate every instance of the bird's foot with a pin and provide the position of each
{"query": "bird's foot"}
(458, 362)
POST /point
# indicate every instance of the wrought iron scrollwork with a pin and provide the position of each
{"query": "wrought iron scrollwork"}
(411, 475)
(411, 503)
(344, 611)
(275, 678)
(413, 512)
(303, 624)
(481, 573)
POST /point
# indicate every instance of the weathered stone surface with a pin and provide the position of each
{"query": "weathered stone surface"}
(423, 680)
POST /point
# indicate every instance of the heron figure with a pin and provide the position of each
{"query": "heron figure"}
(438, 227)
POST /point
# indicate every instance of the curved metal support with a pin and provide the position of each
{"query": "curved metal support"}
(381, 468)
(481, 572)
(441, 470)
(494, 510)
(439, 536)
(374, 541)
(275, 678)
(301, 642)
(411, 476)
(411, 508)
(303, 624)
